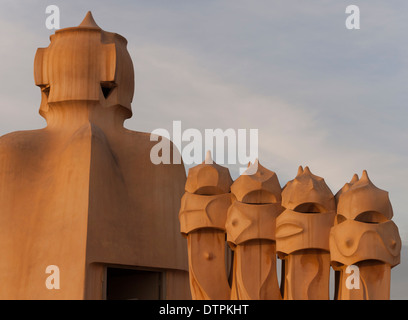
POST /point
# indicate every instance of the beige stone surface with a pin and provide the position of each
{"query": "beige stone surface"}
(82, 193)
(364, 236)
(308, 227)
(257, 185)
(202, 218)
(302, 237)
(250, 226)
(363, 198)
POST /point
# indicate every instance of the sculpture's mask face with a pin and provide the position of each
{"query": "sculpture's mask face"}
(85, 63)
(258, 185)
(363, 229)
(308, 193)
(308, 216)
(361, 200)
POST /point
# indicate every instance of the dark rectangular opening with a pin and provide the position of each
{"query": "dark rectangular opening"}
(133, 284)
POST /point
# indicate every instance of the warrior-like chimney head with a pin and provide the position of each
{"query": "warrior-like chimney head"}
(85, 63)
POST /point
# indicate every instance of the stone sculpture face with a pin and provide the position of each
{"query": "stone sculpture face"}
(261, 186)
(361, 200)
(308, 193)
(309, 206)
(363, 227)
(355, 241)
(85, 63)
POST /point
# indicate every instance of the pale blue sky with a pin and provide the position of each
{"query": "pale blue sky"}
(320, 95)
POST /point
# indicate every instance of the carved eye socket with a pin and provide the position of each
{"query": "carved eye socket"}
(46, 89)
(339, 219)
(310, 208)
(371, 217)
(107, 88)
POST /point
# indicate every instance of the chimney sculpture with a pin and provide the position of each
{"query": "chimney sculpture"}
(82, 194)
(302, 237)
(202, 217)
(250, 226)
(364, 242)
